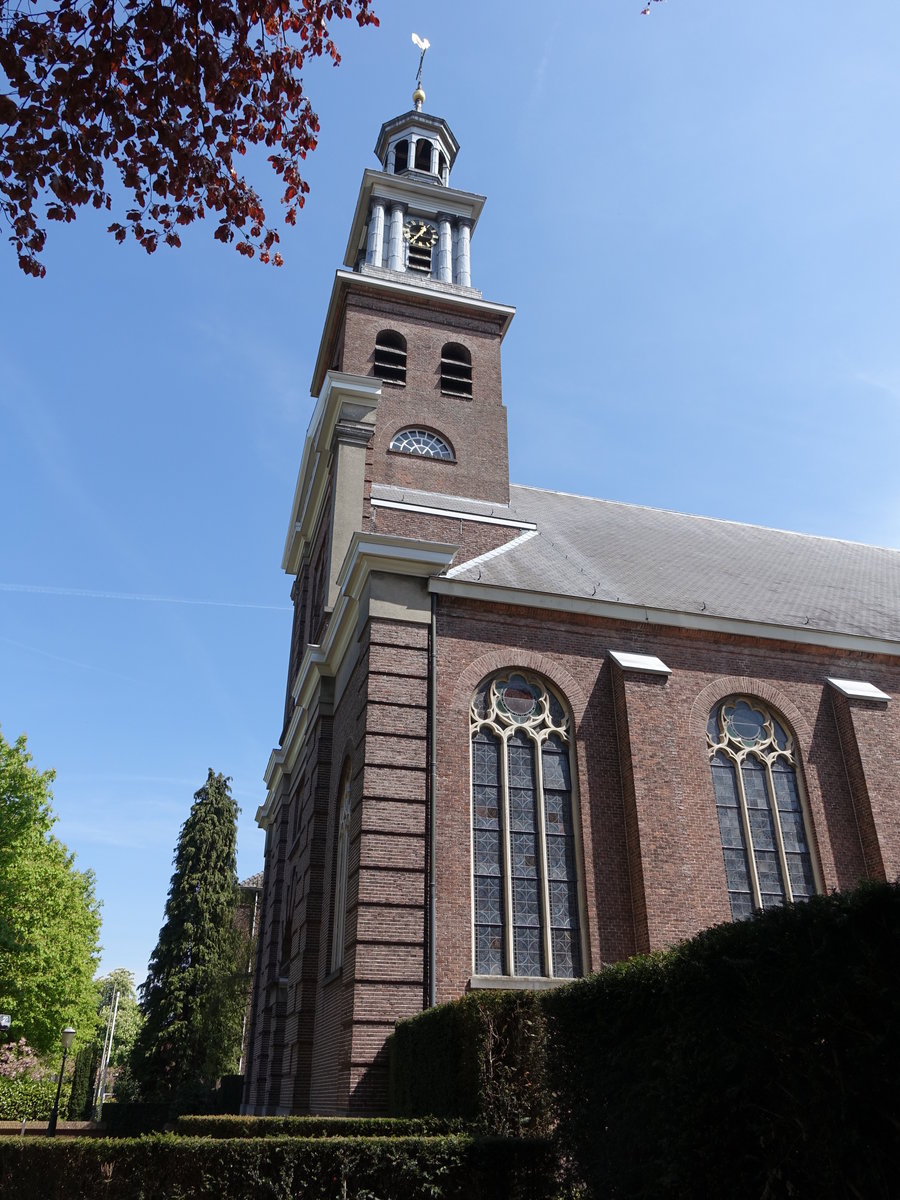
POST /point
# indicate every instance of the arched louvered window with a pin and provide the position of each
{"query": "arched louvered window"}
(341, 865)
(525, 880)
(760, 806)
(422, 442)
(390, 357)
(456, 370)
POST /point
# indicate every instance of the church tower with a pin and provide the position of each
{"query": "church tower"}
(404, 471)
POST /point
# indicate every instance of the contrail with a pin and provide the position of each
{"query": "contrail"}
(91, 595)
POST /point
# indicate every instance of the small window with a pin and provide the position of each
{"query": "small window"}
(456, 370)
(401, 156)
(422, 442)
(390, 357)
(442, 164)
(423, 155)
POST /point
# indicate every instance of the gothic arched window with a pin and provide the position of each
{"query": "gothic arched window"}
(760, 807)
(422, 442)
(341, 865)
(525, 881)
(390, 356)
(456, 370)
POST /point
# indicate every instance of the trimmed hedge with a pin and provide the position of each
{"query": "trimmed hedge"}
(757, 1060)
(447, 1168)
(24, 1099)
(480, 1058)
(316, 1127)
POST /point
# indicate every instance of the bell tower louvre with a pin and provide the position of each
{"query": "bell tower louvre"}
(526, 733)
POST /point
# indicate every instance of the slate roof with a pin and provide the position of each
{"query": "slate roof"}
(252, 881)
(627, 553)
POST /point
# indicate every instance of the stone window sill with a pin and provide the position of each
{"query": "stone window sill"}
(513, 983)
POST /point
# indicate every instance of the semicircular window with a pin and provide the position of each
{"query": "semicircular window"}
(422, 442)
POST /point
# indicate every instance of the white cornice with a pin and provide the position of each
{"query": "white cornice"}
(640, 614)
(344, 280)
(452, 513)
(353, 394)
(367, 552)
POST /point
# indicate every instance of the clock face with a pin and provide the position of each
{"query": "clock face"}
(420, 233)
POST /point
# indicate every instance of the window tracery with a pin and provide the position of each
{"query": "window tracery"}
(760, 807)
(525, 882)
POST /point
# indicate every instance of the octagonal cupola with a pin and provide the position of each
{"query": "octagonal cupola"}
(418, 145)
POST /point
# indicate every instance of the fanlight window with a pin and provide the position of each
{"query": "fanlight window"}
(390, 357)
(456, 370)
(760, 807)
(341, 865)
(422, 442)
(524, 869)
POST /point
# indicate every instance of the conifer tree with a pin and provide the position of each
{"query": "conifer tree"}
(194, 995)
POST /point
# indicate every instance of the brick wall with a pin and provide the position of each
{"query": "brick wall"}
(475, 428)
(653, 864)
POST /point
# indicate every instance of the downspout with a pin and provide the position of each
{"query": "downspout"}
(432, 788)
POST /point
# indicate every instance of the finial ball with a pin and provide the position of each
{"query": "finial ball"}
(418, 97)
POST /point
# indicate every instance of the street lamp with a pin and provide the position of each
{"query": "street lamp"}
(68, 1035)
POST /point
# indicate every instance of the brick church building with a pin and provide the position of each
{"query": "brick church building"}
(527, 733)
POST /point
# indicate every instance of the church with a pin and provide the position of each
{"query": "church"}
(526, 733)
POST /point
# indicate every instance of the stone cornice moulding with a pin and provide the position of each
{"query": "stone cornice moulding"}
(344, 280)
(367, 552)
(352, 397)
(640, 614)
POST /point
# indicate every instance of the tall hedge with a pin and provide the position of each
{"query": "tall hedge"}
(480, 1058)
(149, 1168)
(757, 1061)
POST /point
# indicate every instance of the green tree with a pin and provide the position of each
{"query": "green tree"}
(49, 915)
(128, 1015)
(194, 996)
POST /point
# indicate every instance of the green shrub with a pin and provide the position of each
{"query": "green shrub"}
(759, 1059)
(480, 1058)
(24, 1099)
(446, 1168)
(316, 1127)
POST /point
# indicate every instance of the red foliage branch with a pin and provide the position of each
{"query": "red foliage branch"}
(168, 92)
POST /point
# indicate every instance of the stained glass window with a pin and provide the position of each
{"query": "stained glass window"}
(526, 912)
(761, 820)
(422, 442)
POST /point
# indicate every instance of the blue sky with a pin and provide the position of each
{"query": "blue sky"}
(695, 214)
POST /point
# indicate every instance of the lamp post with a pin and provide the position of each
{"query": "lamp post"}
(68, 1035)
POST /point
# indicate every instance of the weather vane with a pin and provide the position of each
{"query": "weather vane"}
(419, 93)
